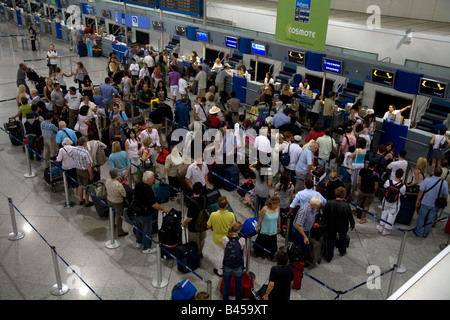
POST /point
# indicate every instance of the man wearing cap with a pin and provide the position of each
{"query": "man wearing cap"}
(281, 118)
(295, 151)
(214, 120)
(221, 77)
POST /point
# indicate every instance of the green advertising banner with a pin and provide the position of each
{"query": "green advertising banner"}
(303, 23)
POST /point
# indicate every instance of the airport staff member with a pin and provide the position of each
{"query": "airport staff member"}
(392, 110)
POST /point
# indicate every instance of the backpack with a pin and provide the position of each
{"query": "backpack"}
(233, 257)
(286, 157)
(393, 192)
(203, 217)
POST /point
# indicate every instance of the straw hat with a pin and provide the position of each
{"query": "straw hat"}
(214, 110)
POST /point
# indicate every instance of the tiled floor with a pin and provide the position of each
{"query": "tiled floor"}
(79, 236)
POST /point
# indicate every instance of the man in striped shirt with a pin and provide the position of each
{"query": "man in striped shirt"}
(49, 131)
(85, 175)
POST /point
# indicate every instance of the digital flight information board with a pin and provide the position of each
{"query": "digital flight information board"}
(231, 42)
(433, 88)
(383, 77)
(189, 7)
(146, 3)
(259, 48)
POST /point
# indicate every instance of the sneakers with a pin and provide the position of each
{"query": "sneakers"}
(386, 232)
(138, 245)
(150, 250)
(380, 228)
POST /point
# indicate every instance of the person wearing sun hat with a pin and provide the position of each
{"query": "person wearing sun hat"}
(214, 121)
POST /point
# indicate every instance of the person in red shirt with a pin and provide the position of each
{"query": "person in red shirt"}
(315, 133)
(214, 121)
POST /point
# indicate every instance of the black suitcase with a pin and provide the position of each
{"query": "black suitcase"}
(98, 196)
(14, 128)
(82, 49)
(187, 253)
(406, 211)
(231, 173)
(218, 169)
(169, 234)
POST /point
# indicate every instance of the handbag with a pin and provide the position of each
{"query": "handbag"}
(441, 202)
(318, 171)
(77, 126)
(333, 154)
(100, 156)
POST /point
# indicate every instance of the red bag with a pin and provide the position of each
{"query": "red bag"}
(447, 227)
(163, 155)
(247, 286)
(298, 275)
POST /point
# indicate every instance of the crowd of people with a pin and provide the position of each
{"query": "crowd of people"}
(84, 127)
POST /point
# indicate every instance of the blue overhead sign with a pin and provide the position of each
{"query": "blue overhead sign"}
(330, 65)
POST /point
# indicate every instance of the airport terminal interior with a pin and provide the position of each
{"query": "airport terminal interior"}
(93, 271)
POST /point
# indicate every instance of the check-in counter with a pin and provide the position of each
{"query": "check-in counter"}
(107, 46)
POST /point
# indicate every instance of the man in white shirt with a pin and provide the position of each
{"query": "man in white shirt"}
(149, 60)
(144, 72)
(73, 98)
(153, 134)
(401, 163)
(197, 172)
(201, 79)
(200, 110)
(134, 70)
(183, 86)
(239, 131)
(392, 110)
(52, 57)
(262, 146)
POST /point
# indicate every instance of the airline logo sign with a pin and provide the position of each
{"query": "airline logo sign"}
(303, 23)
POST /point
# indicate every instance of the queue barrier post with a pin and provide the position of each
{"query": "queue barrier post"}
(67, 204)
(287, 233)
(30, 173)
(59, 288)
(112, 244)
(400, 268)
(247, 256)
(160, 281)
(15, 235)
(208, 288)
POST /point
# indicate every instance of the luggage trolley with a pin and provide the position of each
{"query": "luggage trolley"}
(52, 176)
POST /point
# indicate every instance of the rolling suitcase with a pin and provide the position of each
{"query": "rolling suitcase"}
(231, 174)
(219, 170)
(187, 253)
(406, 211)
(298, 268)
(14, 128)
(315, 251)
(247, 286)
(98, 196)
(82, 49)
(169, 234)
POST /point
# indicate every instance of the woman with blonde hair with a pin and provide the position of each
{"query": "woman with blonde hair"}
(418, 175)
(119, 159)
(22, 92)
(268, 226)
(49, 86)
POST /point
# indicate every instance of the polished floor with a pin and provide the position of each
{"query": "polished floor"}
(80, 236)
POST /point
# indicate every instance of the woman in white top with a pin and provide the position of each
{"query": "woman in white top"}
(313, 114)
(84, 120)
(217, 66)
(134, 70)
(439, 142)
(68, 164)
(268, 80)
(126, 84)
(132, 148)
(58, 76)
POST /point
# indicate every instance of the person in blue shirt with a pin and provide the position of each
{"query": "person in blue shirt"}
(281, 118)
(304, 196)
(182, 116)
(428, 194)
(65, 132)
(129, 53)
(117, 112)
(305, 165)
(108, 91)
(119, 159)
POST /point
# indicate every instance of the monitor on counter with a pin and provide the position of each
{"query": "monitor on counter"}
(180, 31)
(259, 49)
(383, 77)
(297, 57)
(331, 65)
(231, 42)
(157, 25)
(433, 88)
(202, 36)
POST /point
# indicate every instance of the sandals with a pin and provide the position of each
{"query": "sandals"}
(362, 221)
